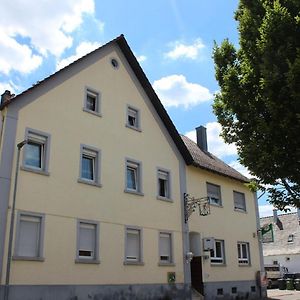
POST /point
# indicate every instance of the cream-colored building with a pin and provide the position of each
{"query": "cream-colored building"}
(100, 192)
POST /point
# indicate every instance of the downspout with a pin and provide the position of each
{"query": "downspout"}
(263, 289)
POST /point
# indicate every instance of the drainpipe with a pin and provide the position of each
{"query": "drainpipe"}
(12, 222)
(263, 289)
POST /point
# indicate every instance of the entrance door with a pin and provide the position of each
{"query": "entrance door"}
(196, 274)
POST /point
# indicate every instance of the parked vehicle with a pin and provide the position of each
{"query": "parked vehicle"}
(273, 273)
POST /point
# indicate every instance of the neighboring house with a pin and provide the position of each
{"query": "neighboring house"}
(101, 188)
(225, 242)
(285, 247)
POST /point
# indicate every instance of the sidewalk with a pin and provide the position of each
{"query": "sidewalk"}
(276, 294)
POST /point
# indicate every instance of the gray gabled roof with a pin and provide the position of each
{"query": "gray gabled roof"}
(290, 225)
(208, 161)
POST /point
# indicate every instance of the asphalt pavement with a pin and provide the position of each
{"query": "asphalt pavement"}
(276, 294)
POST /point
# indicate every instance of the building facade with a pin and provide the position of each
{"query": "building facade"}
(282, 245)
(100, 193)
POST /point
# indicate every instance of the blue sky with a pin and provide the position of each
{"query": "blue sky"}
(172, 40)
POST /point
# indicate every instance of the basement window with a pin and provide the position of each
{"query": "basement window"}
(290, 238)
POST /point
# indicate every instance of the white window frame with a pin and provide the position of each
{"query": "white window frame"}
(244, 261)
(40, 218)
(170, 260)
(212, 196)
(164, 174)
(86, 259)
(132, 111)
(97, 96)
(137, 167)
(43, 140)
(139, 232)
(217, 260)
(238, 208)
(94, 154)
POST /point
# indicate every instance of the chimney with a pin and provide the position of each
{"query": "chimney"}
(6, 96)
(201, 138)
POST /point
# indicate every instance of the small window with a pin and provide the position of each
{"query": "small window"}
(219, 292)
(243, 253)
(133, 118)
(214, 193)
(239, 201)
(290, 238)
(233, 290)
(89, 166)
(253, 289)
(133, 245)
(114, 63)
(217, 253)
(165, 248)
(36, 153)
(164, 184)
(92, 101)
(29, 236)
(87, 241)
(133, 176)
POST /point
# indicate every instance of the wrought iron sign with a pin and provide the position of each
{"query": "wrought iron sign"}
(191, 203)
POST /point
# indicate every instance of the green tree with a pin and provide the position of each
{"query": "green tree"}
(258, 104)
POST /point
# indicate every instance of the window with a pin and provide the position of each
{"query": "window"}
(239, 201)
(29, 238)
(92, 101)
(87, 241)
(219, 292)
(214, 193)
(217, 253)
(133, 246)
(243, 253)
(164, 184)
(36, 154)
(165, 248)
(133, 118)
(290, 238)
(89, 165)
(133, 177)
(233, 290)
(253, 289)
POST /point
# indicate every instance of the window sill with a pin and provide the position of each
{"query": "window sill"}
(217, 265)
(133, 192)
(133, 263)
(164, 199)
(216, 205)
(134, 128)
(95, 113)
(80, 180)
(37, 171)
(28, 258)
(244, 265)
(166, 264)
(87, 261)
(240, 210)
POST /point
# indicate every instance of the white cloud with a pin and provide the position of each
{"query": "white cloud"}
(43, 27)
(81, 50)
(181, 50)
(141, 58)
(17, 56)
(175, 90)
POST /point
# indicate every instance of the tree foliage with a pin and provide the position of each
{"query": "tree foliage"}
(258, 104)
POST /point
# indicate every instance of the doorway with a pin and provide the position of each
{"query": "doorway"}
(196, 263)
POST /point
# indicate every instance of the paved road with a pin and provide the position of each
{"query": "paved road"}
(275, 294)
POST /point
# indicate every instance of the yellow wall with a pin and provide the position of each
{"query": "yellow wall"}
(226, 224)
(63, 200)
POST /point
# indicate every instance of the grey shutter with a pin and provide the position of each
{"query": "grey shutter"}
(133, 244)
(29, 236)
(87, 237)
